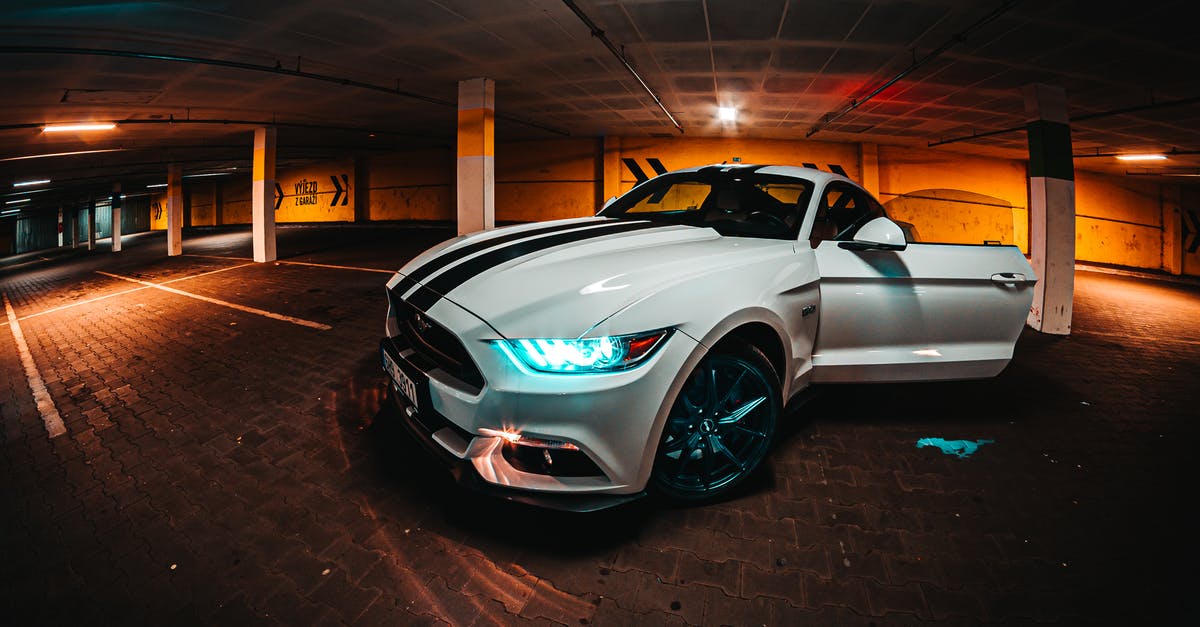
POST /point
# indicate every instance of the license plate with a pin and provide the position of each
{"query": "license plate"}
(404, 384)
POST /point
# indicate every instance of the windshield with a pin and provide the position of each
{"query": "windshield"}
(733, 202)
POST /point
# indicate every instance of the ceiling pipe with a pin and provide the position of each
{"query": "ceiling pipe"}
(830, 118)
(1169, 153)
(1081, 118)
(598, 33)
(255, 67)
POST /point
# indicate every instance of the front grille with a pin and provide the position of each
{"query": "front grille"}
(434, 343)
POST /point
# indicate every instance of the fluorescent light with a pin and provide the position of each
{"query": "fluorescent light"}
(16, 202)
(1141, 157)
(154, 185)
(9, 212)
(69, 128)
(31, 183)
(62, 154)
(727, 114)
(195, 176)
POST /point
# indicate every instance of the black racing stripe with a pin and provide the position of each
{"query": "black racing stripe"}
(444, 283)
(447, 258)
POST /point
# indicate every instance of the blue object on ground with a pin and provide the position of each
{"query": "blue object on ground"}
(960, 448)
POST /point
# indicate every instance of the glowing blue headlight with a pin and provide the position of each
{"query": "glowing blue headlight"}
(596, 354)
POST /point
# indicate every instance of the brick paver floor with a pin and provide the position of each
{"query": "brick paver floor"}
(222, 467)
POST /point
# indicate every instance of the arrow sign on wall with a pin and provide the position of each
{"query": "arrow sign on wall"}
(340, 190)
(1191, 230)
(278, 196)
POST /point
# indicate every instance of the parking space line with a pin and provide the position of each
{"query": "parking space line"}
(218, 257)
(136, 289)
(303, 263)
(326, 265)
(41, 396)
(260, 312)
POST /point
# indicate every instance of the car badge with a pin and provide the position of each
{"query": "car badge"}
(422, 325)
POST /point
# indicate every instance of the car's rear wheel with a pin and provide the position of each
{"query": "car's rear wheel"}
(720, 426)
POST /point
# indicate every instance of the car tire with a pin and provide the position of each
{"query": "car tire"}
(720, 426)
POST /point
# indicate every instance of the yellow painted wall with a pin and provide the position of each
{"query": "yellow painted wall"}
(413, 186)
(953, 198)
(546, 180)
(158, 212)
(200, 199)
(1118, 220)
(948, 197)
(310, 193)
(235, 202)
(1188, 234)
(686, 152)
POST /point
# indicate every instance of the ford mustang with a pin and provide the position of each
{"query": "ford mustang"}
(654, 347)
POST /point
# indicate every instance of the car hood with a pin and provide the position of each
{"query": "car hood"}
(564, 290)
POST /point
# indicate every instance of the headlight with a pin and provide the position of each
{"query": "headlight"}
(598, 354)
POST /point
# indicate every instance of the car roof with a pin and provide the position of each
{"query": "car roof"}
(812, 174)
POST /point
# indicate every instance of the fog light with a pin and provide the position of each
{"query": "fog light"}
(513, 437)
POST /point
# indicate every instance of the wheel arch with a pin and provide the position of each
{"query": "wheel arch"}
(762, 336)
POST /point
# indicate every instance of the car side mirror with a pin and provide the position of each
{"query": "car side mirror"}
(608, 202)
(878, 234)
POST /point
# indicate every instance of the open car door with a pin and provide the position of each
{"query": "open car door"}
(893, 310)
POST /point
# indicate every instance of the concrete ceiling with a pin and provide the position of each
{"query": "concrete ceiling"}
(381, 75)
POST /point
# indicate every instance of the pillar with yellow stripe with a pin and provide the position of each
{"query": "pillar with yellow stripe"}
(262, 195)
(174, 210)
(476, 155)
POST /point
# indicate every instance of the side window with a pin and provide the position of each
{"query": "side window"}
(843, 209)
(685, 196)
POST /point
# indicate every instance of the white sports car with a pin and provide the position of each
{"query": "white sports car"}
(579, 363)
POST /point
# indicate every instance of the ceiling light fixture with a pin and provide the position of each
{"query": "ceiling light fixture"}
(69, 128)
(727, 114)
(1147, 157)
(154, 185)
(193, 176)
(9, 212)
(31, 183)
(17, 201)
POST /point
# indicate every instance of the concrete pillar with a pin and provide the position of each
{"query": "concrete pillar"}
(91, 223)
(174, 210)
(74, 225)
(1051, 208)
(61, 227)
(612, 167)
(262, 195)
(218, 203)
(116, 218)
(868, 166)
(476, 155)
(362, 189)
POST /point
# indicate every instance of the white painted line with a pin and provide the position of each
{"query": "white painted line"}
(217, 257)
(261, 312)
(325, 265)
(302, 263)
(136, 289)
(45, 404)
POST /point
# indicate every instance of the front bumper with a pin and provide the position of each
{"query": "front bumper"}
(613, 419)
(422, 427)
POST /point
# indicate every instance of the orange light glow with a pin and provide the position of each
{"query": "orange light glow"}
(68, 128)
(1146, 157)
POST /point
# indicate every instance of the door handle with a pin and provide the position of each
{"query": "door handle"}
(1008, 278)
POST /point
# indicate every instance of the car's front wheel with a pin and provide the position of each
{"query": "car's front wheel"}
(720, 426)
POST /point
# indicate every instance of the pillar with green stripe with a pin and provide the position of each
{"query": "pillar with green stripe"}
(1051, 208)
